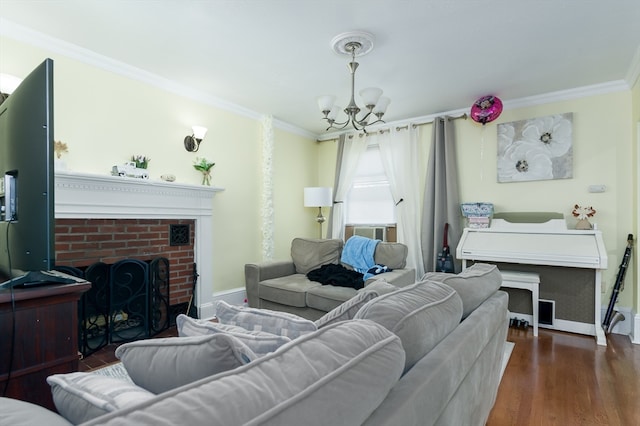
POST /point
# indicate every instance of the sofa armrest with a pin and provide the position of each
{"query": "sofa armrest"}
(256, 272)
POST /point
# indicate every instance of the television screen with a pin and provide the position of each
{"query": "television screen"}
(27, 205)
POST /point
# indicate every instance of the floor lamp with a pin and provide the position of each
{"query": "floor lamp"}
(318, 197)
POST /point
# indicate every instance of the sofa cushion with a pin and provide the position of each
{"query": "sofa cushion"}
(80, 397)
(275, 322)
(474, 285)
(162, 364)
(259, 342)
(309, 254)
(393, 255)
(337, 375)
(328, 297)
(289, 290)
(346, 310)
(20, 413)
(421, 314)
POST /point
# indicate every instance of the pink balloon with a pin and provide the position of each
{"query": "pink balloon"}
(486, 109)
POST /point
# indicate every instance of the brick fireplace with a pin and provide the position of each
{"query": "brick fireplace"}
(82, 242)
(108, 218)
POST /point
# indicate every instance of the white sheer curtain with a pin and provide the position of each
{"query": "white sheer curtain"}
(399, 152)
(349, 151)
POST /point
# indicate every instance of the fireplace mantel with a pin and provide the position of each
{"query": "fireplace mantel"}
(89, 196)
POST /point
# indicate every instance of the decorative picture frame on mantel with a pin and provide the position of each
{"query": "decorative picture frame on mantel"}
(536, 149)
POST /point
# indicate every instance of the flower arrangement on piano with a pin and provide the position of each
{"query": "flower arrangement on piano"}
(583, 213)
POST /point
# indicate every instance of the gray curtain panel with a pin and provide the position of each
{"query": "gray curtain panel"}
(336, 181)
(441, 195)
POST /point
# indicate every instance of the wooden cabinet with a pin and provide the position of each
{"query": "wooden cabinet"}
(39, 327)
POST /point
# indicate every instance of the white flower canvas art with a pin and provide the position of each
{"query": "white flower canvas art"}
(536, 149)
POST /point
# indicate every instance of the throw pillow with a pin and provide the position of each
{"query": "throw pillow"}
(259, 342)
(421, 314)
(310, 254)
(275, 322)
(162, 364)
(80, 397)
(346, 310)
(474, 285)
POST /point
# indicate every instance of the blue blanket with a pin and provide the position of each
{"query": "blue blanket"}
(358, 252)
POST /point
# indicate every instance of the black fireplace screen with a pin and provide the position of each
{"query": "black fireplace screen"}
(128, 300)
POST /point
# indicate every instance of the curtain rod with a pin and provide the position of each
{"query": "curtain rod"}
(406, 126)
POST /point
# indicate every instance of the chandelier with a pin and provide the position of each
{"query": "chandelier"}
(355, 43)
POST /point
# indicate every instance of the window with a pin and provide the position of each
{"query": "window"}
(369, 201)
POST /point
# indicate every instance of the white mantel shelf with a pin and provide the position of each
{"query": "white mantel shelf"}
(89, 196)
(80, 195)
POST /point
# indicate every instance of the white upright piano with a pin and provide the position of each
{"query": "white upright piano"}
(549, 243)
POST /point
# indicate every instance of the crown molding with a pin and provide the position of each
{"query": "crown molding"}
(28, 36)
(546, 98)
(634, 69)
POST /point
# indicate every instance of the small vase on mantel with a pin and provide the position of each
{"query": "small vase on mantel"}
(584, 224)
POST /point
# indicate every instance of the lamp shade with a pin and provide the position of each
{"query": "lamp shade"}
(199, 132)
(318, 196)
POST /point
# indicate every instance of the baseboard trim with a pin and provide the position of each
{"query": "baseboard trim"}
(234, 296)
(560, 324)
(630, 326)
(635, 332)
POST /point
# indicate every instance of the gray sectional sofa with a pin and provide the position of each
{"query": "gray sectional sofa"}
(284, 286)
(426, 354)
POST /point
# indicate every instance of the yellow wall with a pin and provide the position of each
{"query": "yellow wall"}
(104, 118)
(603, 153)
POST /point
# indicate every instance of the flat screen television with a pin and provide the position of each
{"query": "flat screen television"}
(27, 203)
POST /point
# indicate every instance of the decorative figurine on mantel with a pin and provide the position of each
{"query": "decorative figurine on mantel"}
(204, 166)
(60, 148)
(583, 214)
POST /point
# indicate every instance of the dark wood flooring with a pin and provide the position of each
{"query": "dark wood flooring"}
(566, 379)
(557, 378)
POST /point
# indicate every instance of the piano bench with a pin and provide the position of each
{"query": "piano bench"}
(526, 281)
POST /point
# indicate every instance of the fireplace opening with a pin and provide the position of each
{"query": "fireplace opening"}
(128, 300)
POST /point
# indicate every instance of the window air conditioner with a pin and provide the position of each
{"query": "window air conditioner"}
(373, 232)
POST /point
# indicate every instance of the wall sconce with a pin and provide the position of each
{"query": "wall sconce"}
(192, 142)
(318, 197)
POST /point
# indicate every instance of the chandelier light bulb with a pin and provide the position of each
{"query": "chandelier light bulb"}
(334, 112)
(381, 105)
(370, 96)
(325, 103)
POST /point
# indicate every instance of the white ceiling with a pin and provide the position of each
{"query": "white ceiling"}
(431, 56)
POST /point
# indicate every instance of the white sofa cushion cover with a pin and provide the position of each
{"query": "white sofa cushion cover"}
(80, 397)
(260, 342)
(275, 322)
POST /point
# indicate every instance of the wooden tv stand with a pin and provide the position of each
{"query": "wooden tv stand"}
(46, 338)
